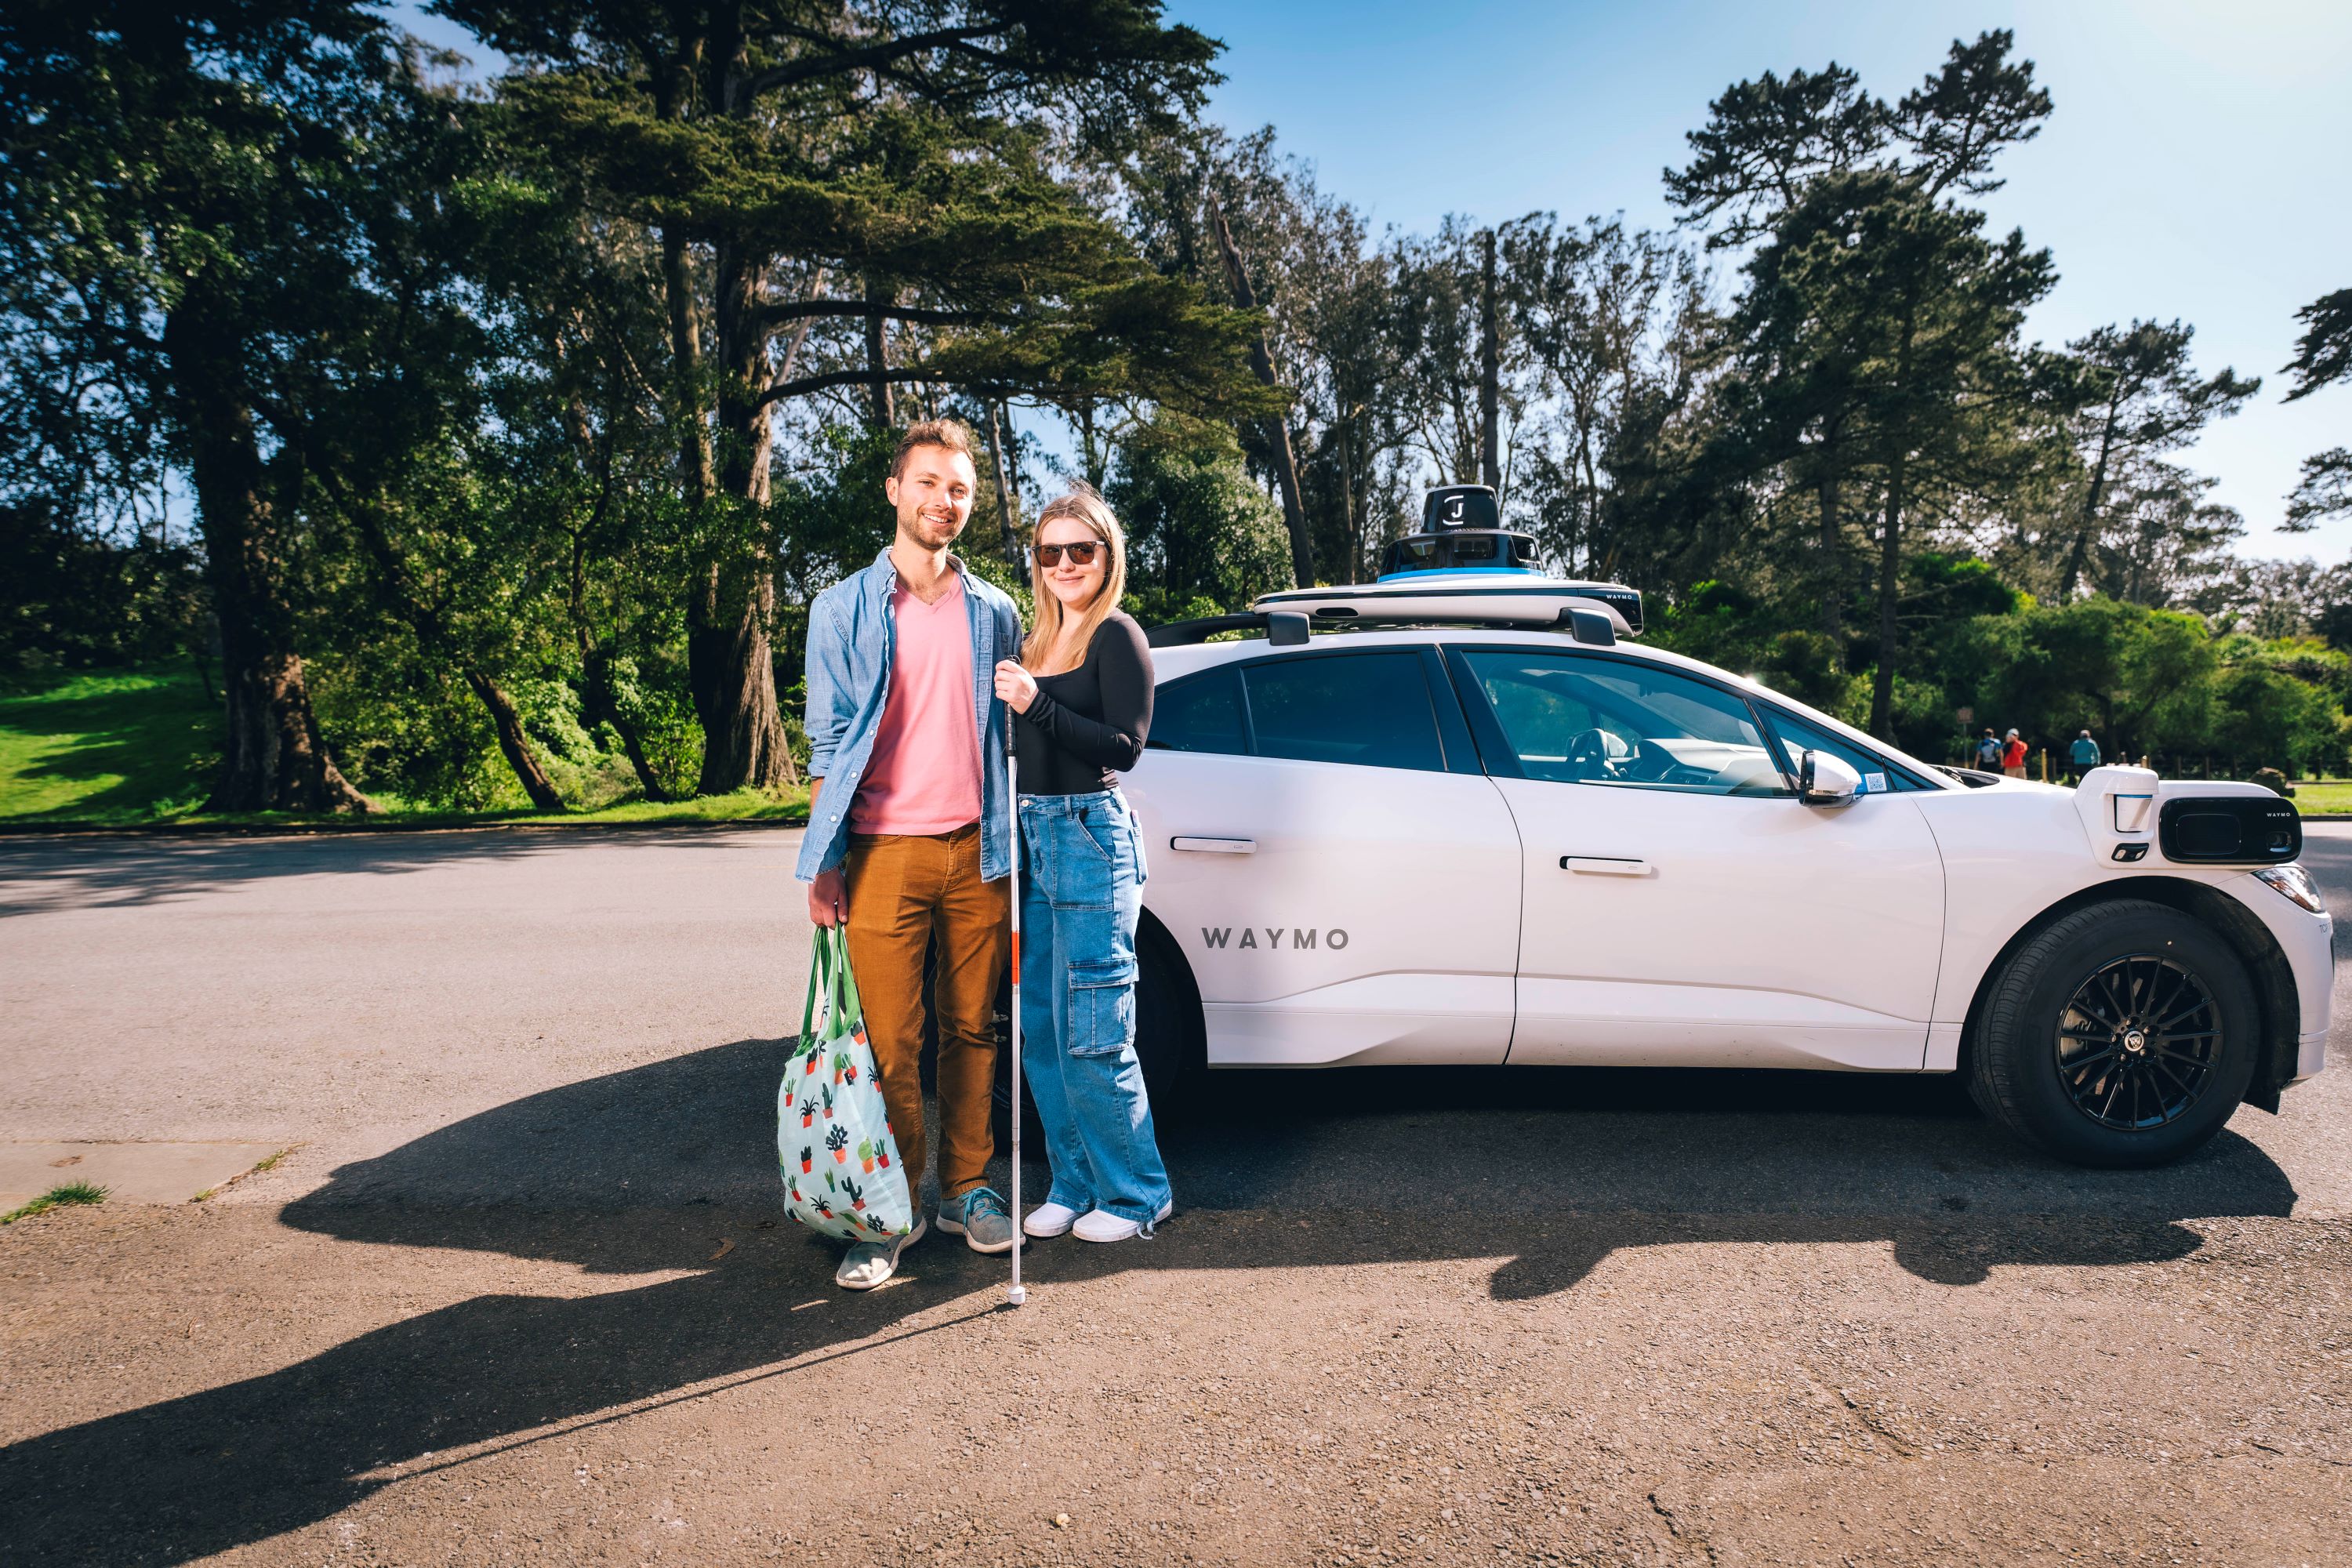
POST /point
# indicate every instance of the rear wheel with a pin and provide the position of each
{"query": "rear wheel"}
(2121, 1034)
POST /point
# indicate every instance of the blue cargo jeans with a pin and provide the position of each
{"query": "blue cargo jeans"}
(1081, 893)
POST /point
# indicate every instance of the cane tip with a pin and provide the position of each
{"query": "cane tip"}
(1015, 1295)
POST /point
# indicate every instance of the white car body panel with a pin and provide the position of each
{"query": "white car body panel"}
(1371, 854)
(1775, 934)
(1761, 933)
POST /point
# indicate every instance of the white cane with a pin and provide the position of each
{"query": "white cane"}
(1014, 1293)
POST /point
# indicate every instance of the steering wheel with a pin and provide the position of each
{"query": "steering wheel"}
(1589, 753)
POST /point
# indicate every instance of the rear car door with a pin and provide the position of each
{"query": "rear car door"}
(1682, 907)
(1341, 875)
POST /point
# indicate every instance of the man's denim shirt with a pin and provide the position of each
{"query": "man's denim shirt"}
(852, 639)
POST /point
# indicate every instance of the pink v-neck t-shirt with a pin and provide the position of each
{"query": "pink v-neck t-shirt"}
(924, 773)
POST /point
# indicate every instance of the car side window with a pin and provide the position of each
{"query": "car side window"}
(1370, 710)
(1580, 719)
(1878, 774)
(1200, 713)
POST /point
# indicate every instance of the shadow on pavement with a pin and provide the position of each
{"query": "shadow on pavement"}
(1549, 1172)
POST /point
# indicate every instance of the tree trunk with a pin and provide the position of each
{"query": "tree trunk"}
(272, 758)
(1008, 494)
(729, 660)
(685, 356)
(514, 742)
(1277, 427)
(599, 704)
(1490, 372)
(1890, 567)
(877, 362)
(2086, 529)
(1832, 562)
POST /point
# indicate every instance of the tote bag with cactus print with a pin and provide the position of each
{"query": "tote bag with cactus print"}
(842, 1174)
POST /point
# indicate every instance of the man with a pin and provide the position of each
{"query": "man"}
(909, 835)
(1989, 752)
(2084, 754)
(2012, 756)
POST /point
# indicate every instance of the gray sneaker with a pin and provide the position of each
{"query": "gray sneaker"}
(869, 1263)
(980, 1218)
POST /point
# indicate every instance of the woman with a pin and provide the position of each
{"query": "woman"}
(1082, 690)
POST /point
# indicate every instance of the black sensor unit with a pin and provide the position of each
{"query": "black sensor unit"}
(1450, 506)
(2228, 830)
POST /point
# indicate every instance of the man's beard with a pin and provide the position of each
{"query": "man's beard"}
(924, 531)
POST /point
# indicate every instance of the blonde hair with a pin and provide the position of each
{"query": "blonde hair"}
(1081, 505)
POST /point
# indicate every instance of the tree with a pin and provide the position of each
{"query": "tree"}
(908, 148)
(1203, 538)
(1880, 330)
(184, 194)
(1594, 304)
(2142, 399)
(2322, 355)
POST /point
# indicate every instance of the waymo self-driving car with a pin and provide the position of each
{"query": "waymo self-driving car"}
(1480, 825)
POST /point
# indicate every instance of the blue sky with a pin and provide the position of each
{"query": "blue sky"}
(2197, 165)
(2199, 162)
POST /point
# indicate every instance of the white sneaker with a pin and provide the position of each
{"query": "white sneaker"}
(1049, 1220)
(870, 1263)
(1102, 1226)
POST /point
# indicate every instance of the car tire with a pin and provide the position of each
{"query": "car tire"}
(1171, 1042)
(2120, 1035)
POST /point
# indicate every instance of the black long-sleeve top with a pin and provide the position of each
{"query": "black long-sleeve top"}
(1088, 724)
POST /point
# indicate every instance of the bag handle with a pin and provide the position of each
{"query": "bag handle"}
(823, 960)
(830, 979)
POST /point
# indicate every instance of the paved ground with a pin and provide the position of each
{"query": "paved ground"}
(511, 1297)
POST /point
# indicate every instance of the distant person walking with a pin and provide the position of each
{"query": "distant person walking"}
(2012, 756)
(2084, 755)
(1082, 687)
(909, 838)
(1989, 752)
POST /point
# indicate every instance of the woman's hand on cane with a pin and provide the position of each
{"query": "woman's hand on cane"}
(1016, 687)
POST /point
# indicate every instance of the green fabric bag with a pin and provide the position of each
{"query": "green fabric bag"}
(834, 1144)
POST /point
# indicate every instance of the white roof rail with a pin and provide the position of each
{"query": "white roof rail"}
(1523, 601)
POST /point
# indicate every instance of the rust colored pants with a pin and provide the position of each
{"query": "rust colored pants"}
(903, 891)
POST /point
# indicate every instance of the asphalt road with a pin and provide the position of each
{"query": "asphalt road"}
(510, 1298)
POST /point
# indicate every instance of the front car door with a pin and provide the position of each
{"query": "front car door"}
(1342, 877)
(1681, 907)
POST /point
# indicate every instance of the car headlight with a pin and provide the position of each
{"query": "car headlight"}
(2296, 884)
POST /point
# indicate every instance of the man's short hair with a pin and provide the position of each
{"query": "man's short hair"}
(951, 434)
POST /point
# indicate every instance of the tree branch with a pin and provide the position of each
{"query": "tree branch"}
(874, 55)
(803, 309)
(862, 376)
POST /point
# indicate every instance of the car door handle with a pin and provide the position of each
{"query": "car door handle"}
(1604, 865)
(1214, 845)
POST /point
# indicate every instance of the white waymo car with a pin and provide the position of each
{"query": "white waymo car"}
(1473, 842)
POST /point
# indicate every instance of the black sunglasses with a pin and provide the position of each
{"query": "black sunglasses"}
(1082, 554)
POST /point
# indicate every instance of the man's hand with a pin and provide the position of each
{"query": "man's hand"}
(828, 899)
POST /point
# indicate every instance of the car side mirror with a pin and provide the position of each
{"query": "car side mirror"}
(1824, 780)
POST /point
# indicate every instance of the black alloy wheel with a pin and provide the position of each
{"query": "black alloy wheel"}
(2139, 1041)
(2120, 1034)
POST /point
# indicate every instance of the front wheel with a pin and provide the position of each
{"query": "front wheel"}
(2121, 1034)
(1169, 1041)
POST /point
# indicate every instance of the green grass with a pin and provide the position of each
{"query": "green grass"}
(2335, 795)
(135, 749)
(56, 1197)
(112, 748)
